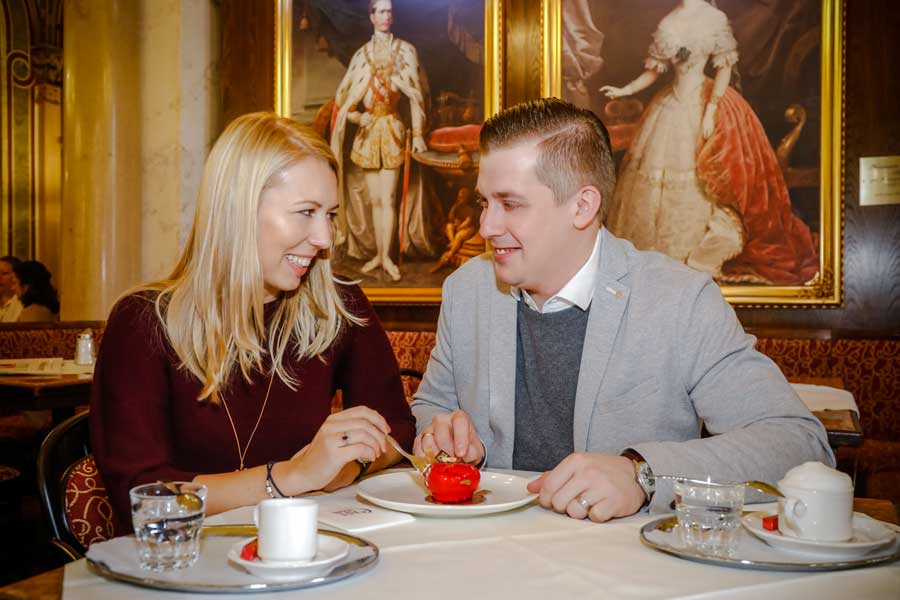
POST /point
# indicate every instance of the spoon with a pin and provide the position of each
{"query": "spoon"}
(757, 485)
(419, 462)
(186, 500)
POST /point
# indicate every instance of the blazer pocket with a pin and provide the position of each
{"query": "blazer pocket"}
(633, 395)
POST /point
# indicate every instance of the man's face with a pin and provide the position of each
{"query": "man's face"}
(7, 278)
(382, 16)
(527, 229)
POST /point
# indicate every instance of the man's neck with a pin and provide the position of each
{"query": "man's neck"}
(382, 36)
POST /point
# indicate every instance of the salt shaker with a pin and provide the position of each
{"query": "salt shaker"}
(84, 348)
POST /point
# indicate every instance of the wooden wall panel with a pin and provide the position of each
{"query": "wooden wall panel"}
(871, 233)
(248, 57)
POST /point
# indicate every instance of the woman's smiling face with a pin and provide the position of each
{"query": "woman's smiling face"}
(294, 222)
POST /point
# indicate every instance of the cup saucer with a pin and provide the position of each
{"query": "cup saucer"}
(331, 550)
(868, 535)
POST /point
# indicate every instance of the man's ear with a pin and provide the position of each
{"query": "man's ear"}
(587, 204)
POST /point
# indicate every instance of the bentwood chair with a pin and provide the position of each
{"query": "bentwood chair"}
(73, 496)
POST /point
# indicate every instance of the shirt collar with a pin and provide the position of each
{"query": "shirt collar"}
(579, 291)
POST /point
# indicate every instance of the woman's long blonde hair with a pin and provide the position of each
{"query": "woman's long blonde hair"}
(212, 302)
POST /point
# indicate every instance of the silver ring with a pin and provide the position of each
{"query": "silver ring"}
(583, 502)
(345, 439)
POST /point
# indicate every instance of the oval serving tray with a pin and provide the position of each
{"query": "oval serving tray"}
(362, 557)
(753, 553)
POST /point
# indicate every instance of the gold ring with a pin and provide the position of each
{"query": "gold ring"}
(429, 433)
(345, 439)
(583, 502)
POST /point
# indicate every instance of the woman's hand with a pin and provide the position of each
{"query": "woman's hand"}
(344, 437)
(613, 92)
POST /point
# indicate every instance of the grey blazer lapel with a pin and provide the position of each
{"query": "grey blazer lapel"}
(607, 308)
(502, 372)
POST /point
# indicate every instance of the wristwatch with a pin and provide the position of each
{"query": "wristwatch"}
(642, 474)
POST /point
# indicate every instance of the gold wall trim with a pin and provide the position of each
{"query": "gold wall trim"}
(551, 45)
(283, 20)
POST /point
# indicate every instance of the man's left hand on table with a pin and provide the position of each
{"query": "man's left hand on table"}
(598, 486)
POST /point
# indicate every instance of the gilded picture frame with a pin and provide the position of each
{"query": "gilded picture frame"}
(820, 166)
(300, 93)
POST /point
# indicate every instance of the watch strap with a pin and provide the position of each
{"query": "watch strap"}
(643, 474)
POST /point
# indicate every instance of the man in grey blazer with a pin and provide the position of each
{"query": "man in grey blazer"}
(568, 351)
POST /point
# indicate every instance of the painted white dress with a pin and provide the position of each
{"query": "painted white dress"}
(659, 203)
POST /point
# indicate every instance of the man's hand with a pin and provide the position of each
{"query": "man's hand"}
(602, 482)
(454, 434)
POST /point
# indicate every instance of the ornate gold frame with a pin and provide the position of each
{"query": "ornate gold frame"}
(825, 291)
(493, 98)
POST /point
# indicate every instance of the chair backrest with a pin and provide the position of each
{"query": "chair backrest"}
(87, 511)
(73, 497)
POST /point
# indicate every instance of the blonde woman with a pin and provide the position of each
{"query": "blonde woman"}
(223, 373)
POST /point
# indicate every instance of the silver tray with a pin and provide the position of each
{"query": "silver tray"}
(753, 553)
(363, 556)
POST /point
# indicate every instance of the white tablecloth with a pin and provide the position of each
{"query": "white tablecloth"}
(531, 553)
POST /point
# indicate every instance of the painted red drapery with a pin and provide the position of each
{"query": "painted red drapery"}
(738, 170)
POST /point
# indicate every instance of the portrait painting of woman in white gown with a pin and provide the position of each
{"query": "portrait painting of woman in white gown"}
(700, 181)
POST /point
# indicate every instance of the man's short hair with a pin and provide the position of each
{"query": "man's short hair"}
(574, 149)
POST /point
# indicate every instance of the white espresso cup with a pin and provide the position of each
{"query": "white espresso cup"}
(287, 529)
(818, 503)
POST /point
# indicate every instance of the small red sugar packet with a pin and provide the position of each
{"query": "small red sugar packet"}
(770, 523)
(248, 552)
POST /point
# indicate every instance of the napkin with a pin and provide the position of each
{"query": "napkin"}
(352, 516)
(823, 397)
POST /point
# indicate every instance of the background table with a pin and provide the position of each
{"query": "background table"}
(58, 393)
(527, 553)
(842, 426)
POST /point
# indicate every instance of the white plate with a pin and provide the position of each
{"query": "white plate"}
(406, 492)
(330, 551)
(868, 535)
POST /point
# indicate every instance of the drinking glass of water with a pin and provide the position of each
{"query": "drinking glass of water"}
(709, 515)
(167, 520)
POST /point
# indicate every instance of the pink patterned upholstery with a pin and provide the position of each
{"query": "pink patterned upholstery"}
(88, 511)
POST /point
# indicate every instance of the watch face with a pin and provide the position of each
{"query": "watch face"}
(646, 478)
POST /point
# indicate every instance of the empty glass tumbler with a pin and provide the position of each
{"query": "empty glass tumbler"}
(167, 520)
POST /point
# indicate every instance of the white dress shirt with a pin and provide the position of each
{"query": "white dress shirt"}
(9, 312)
(579, 291)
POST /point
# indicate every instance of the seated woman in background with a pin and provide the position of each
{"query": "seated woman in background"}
(40, 301)
(223, 373)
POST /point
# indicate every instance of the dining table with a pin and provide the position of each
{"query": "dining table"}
(529, 552)
(60, 394)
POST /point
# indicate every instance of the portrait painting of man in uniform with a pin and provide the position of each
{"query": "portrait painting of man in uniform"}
(721, 114)
(398, 88)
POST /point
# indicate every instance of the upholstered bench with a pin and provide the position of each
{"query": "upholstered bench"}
(869, 369)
